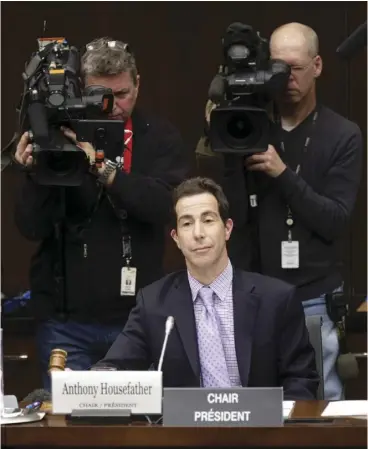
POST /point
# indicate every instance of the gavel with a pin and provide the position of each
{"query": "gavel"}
(57, 360)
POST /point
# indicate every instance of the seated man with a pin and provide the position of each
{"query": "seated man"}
(232, 328)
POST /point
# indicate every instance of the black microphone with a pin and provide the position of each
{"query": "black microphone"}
(238, 27)
(356, 41)
(38, 395)
(168, 328)
(347, 367)
(39, 125)
(216, 91)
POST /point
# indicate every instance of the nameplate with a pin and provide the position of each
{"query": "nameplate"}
(139, 392)
(253, 407)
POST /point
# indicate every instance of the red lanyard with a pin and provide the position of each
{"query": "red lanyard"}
(128, 146)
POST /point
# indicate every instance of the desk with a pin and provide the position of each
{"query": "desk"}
(54, 431)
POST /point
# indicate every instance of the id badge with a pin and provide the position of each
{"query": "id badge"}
(128, 281)
(290, 254)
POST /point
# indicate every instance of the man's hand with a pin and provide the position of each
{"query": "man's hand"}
(268, 162)
(85, 146)
(23, 154)
(90, 152)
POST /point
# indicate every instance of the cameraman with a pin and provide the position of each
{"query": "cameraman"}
(307, 182)
(114, 224)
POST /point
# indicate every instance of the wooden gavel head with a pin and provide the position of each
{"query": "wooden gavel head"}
(57, 360)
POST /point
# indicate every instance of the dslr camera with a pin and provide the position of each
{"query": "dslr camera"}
(246, 84)
(53, 97)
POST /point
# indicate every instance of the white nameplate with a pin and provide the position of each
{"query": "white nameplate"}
(137, 391)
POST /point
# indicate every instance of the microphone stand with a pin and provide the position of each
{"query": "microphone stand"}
(60, 275)
(168, 328)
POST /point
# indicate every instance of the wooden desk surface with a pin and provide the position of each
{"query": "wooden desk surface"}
(55, 431)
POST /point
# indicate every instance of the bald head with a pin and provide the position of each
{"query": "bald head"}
(297, 45)
(294, 37)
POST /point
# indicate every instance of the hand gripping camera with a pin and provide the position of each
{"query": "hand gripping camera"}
(53, 97)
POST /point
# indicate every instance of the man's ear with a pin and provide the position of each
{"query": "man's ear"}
(174, 236)
(318, 65)
(228, 228)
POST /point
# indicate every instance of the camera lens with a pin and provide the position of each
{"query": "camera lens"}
(240, 129)
(62, 163)
(239, 126)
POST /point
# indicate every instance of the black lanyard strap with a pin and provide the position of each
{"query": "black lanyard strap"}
(289, 218)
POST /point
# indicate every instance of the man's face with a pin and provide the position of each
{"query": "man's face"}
(124, 90)
(304, 69)
(201, 234)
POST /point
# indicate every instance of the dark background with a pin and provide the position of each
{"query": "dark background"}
(178, 49)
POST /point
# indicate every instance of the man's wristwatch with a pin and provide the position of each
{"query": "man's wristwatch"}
(110, 166)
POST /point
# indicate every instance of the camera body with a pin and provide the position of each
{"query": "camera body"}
(54, 96)
(244, 87)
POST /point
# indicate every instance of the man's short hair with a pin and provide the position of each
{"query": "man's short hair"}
(308, 33)
(198, 185)
(106, 56)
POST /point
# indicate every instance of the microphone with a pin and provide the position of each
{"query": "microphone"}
(168, 328)
(38, 123)
(354, 42)
(38, 395)
(238, 27)
(216, 90)
(347, 367)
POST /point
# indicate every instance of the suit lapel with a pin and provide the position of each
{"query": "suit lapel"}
(246, 304)
(183, 312)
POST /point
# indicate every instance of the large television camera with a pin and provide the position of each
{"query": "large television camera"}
(242, 90)
(54, 97)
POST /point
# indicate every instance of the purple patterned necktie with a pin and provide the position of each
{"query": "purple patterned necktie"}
(211, 352)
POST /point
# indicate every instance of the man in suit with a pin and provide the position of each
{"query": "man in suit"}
(232, 328)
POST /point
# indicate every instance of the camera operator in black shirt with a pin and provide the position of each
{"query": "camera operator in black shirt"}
(306, 184)
(114, 223)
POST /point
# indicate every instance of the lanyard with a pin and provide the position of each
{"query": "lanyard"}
(125, 163)
(289, 218)
(128, 146)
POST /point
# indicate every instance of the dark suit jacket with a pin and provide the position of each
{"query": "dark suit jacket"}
(271, 338)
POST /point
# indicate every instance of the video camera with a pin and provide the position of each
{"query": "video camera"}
(53, 97)
(242, 89)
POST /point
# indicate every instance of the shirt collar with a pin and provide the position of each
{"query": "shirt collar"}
(220, 285)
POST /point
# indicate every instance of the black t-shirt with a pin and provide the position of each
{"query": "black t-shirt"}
(321, 198)
(293, 150)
